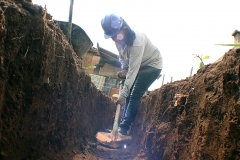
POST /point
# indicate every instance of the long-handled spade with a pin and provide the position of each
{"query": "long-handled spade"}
(115, 124)
(113, 139)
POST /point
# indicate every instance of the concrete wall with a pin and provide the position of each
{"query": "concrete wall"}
(109, 71)
(90, 60)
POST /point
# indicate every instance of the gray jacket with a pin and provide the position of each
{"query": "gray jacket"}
(141, 53)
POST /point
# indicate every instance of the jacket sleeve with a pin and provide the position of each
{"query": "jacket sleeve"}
(135, 59)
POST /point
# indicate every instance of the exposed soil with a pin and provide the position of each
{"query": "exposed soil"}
(50, 109)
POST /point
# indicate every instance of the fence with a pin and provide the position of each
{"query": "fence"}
(104, 83)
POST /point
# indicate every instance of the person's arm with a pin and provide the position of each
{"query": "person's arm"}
(135, 59)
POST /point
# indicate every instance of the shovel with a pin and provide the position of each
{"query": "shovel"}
(115, 124)
(113, 139)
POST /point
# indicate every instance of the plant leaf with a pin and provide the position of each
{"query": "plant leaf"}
(236, 45)
(201, 65)
(206, 57)
(89, 67)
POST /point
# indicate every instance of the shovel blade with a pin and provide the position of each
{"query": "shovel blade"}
(105, 139)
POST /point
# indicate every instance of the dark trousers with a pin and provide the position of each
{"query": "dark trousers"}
(146, 76)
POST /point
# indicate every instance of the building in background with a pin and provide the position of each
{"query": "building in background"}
(236, 35)
(108, 66)
(90, 60)
(105, 65)
(101, 64)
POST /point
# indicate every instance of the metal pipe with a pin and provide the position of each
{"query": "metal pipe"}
(191, 72)
(70, 21)
(163, 79)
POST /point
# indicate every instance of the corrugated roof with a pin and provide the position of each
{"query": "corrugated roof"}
(94, 51)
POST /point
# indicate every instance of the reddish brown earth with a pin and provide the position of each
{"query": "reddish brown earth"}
(50, 109)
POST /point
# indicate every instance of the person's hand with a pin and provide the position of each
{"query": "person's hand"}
(121, 101)
(122, 74)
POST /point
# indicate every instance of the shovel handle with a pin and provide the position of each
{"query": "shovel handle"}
(117, 112)
(115, 124)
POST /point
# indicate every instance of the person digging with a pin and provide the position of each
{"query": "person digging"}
(141, 64)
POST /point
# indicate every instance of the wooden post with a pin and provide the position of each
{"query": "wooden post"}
(191, 72)
(163, 79)
(70, 21)
(171, 80)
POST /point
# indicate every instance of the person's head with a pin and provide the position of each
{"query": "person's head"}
(116, 28)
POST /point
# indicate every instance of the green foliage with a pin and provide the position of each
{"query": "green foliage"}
(89, 67)
(201, 58)
(206, 57)
(234, 45)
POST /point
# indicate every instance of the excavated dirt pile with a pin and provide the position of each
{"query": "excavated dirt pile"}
(49, 109)
(203, 119)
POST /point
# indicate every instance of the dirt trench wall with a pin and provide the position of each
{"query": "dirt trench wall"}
(206, 125)
(47, 102)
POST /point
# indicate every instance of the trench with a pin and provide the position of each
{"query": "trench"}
(50, 109)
